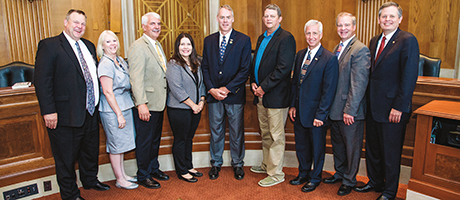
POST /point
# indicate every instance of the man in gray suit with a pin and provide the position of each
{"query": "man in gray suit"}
(348, 109)
(147, 73)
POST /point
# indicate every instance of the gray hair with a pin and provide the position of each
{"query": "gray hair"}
(145, 18)
(391, 3)
(99, 50)
(274, 7)
(228, 7)
(313, 22)
(342, 14)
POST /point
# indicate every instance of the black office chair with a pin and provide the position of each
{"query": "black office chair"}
(16, 72)
(429, 66)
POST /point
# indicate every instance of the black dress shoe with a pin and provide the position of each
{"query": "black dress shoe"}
(214, 172)
(239, 173)
(79, 198)
(299, 180)
(332, 180)
(308, 187)
(190, 180)
(381, 197)
(368, 188)
(99, 186)
(344, 190)
(161, 176)
(196, 174)
(149, 183)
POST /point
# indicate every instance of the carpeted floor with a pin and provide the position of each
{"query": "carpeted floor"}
(226, 187)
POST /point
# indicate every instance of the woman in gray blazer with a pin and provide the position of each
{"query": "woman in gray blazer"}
(186, 98)
(115, 106)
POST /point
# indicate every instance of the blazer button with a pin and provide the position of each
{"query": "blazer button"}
(165, 88)
(220, 72)
(164, 77)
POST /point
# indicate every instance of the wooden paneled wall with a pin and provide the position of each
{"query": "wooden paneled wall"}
(433, 22)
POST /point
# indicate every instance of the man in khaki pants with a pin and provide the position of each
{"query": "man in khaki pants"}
(270, 82)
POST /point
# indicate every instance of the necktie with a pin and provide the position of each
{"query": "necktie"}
(337, 53)
(162, 61)
(90, 106)
(382, 46)
(223, 45)
(304, 68)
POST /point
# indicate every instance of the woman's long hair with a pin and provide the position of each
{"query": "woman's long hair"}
(194, 62)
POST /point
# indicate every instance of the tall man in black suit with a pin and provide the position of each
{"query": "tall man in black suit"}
(313, 88)
(394, 60)
(270, 82)
(67, 89)
(348, 108)
(226, 59)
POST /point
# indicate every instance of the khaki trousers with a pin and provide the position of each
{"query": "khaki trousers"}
(272, 122)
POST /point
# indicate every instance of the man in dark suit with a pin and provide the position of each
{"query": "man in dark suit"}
(348, 108)
(147, 75)
(67, 89)
(313, 88)
(226, 59)
(394, 69)
(270, 82)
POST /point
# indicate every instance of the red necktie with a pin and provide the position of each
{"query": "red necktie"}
(382, 46)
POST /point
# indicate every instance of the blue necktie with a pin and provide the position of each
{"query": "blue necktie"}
(304, 68)
(223, 45)
(337, 53)
(90, 99)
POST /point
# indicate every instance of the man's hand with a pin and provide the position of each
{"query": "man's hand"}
(218, 94)
(292, 113)
(395, 116)
(317, 122)
(348, 119)
(259, 92)
(254, 87)
(51, 120)
(144, 113)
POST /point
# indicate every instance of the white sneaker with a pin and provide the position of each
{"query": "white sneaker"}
(269, 181)
(258, 169)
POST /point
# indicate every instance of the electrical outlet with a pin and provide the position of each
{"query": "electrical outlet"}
(47, 186)
(21, 192)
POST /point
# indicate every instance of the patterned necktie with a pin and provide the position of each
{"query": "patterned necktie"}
(223, 45)
(90, 105)
(304, 68)
(382, 46)
(337, 53)
(157, 47)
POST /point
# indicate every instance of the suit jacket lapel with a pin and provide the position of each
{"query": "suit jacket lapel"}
(229, 46)
(270, 44)
(347, 49)
(314, 60)
(69, 50)
(387, 48)
(153, 51)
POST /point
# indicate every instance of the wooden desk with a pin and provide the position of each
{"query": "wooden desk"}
(436, 167)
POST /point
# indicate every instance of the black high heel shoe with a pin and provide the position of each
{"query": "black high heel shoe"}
(191, 180)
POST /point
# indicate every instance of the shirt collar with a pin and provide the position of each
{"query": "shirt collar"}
(348, 41)
(271, 35)
(226, 35)
(71, 41)
(387, 37)
(152, 41)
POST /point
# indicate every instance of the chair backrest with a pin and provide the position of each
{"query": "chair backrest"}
(16, 72)
(429, 66)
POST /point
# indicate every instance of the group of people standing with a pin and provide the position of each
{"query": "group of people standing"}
(315, 88)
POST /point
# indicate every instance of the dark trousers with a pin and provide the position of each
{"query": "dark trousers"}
(347, 143)
(148, 135)
(81, 144)
(384, 142)
(310, 146)
(183, 125)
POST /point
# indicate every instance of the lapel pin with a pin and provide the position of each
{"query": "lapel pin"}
(231, 41)
(316, 58)
(393, 42)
